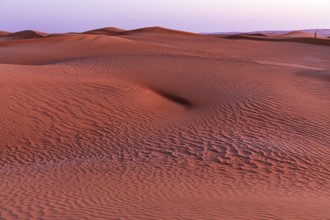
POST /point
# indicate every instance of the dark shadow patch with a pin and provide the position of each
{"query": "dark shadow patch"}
(174, 98)
(323, 75)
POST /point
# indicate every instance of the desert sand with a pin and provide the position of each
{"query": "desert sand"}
(162, 124)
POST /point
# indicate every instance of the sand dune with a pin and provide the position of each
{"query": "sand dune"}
(296, 37)
(141, 31)
(163, 126)
(105, 31)
(158, 30)
(297, 34)
(28, 34)
(2, 33)
(320, 32)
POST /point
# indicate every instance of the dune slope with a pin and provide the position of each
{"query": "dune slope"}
(294, 36)
(27, 34)
(163, 126)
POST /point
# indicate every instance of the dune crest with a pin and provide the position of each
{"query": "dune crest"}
(297, 34)
(2, 33)
(148, 30)
(294, 37)
(105, 31)
(158, 30)
(28, 34)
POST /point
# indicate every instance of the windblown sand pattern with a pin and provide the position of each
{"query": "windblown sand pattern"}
(162, 124)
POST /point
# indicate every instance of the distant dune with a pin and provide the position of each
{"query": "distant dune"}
(148, 30)
(294, 36)
(158, 30)
(320, 32)
(297, 34)
(3, 33)
(108, 31)
(155, 123)
(105, 31)
(27, 34)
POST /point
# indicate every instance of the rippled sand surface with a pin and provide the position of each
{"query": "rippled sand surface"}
(162, 124)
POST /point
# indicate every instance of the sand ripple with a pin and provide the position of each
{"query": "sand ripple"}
(163, 126)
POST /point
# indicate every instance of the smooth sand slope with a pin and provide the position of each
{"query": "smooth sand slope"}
(161, 124)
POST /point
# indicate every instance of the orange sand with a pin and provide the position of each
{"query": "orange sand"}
(162, 124)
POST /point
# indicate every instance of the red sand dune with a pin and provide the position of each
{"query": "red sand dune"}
(296, 37)
(2, 33)
(28, 34)
(105, 31)
(297, 34)
(163, 126)
(157, 30)
(111, 31)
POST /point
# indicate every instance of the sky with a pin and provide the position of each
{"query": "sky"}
(54, 16)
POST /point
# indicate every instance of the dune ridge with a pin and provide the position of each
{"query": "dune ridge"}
(27, 34)
(295, 36)
(100, 125)
(3, 33)
(110, 31)
(105, 31)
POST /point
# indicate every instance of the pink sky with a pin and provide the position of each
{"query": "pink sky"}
(190, 15)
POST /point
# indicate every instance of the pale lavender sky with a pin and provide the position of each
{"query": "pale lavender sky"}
(191, 15)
